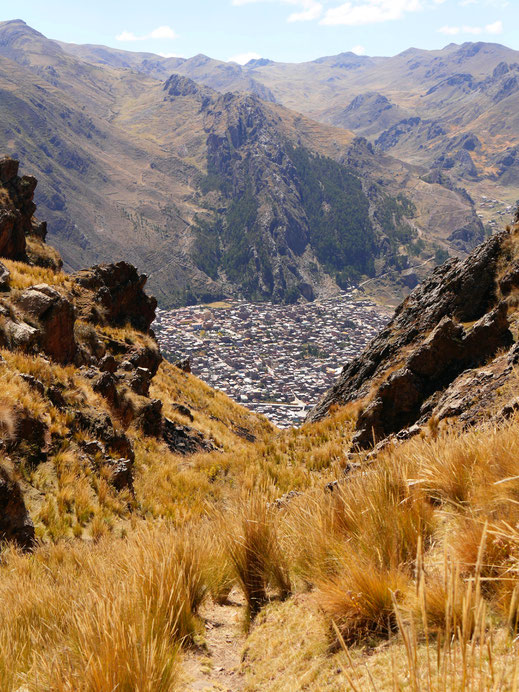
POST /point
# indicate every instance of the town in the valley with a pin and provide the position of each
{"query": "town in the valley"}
(274, 359)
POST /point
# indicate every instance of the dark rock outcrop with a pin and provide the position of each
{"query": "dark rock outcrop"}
(55, 317)
(428, 359)
(117, 365)
(117, 296)
(150, 419)
(15, 523)
(16, 211)
(434, 364)
(182, 439)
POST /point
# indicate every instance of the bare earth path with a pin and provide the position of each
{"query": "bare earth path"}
(217, 667)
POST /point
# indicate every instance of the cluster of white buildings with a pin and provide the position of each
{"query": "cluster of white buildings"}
(499, 208)
(274, 359)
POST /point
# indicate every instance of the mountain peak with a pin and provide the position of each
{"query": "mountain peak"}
(178, 85)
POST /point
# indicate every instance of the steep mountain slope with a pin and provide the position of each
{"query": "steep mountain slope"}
(82, 382)
(212, 195)
(449, 352)
(454, 109)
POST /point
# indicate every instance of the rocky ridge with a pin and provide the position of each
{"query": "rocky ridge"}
(77, 359)
(449, 352)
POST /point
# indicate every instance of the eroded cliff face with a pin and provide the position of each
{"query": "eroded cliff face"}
(77, 360)
(286, 223)
(449, 352)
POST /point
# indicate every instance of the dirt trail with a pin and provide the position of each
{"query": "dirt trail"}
(217, 666)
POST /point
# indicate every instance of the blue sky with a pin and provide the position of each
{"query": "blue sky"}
(285, 30)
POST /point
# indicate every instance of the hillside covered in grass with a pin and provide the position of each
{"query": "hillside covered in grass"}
(157, 536)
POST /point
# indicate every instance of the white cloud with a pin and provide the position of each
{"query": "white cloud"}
(359, 12)
(126, 36)
(494, 28)
(307, 9)
(313, 11)
(244, 58)
(161, 32)
(358, 50)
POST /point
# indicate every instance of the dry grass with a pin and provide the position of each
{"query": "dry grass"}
(100, 617)
(127, 334)
(251, 540)
(24, 275)
(359, 601)
(406, 576)
(415, 558)
(412, 563)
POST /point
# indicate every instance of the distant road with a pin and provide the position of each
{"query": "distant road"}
(415, 266)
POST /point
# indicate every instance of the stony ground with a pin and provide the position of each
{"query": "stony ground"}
(216, 665)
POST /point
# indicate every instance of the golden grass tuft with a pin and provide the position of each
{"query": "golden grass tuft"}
(252, 544)
(7, 420)
(24, 275)
(100, 617)
(359, 601)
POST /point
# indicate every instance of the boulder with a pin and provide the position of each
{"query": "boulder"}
(150, 419)
(15, 522)
(106, 386)
(20, 335)
(108, 364)
(140, 381)
(55, 316)
(148, 357)
(184, 440)
(117, 295)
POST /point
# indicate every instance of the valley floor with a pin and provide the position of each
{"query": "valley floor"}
(276, 360)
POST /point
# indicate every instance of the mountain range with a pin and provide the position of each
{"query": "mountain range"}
(269, 180)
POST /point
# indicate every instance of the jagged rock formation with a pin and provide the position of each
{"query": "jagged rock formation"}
(77, 363)
(449, 350)
(117, 295)
(16, 217)
(55, 316)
